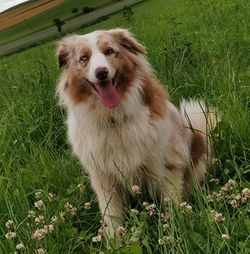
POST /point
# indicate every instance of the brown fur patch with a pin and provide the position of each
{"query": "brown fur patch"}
(198, 147)
(154, 96)
(77, 86)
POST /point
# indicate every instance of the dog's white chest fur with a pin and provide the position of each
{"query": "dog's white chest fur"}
(118, 147)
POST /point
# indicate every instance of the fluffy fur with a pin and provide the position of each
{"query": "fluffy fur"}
(123, 128)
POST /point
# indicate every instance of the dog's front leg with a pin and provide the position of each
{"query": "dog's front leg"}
(110, 201)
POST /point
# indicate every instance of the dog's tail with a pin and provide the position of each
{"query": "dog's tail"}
(198, 116)
(200, 120)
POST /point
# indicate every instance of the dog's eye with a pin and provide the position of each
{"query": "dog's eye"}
(83, 58)
(109, 51)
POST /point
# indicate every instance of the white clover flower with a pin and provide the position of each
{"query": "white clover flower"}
(70, 208)
(39, 205)
(40, 251)
(54, 219)
(165, 226)
(167, 239)
(225, 236)
(39, 220)
(20, 246)
(87, 206)
(134, 212)
(246, 192)
(160, 241)
(31, 214)
(81, 187)
(39, 234)
(234, 203)
(96, 239)
(10, 235)
(9, 223)
(52, 197)
(218, 217)
(38, 195)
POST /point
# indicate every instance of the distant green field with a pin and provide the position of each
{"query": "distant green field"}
(44, 19)
(198, 49)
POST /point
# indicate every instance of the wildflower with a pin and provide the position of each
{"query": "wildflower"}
(133, 229)
(9, 223)
(186, 207)
(134, 212)
(145, 204)
(151, 209)
(234, 203)
(38, 195)
(136, 190)
(40, 251)
(31, 214)
(167, 239)
(165, 226)
(52, 197)
(243, 199)
(10, 235)
(80, 187)
(61, 214)
(39, 234)
(70, 208)
(214, 180)
(120, 230)
(97, 238)
(20, 246)
(39, 220)
(218, 217)
(54, 219)
(39, 205)
(87, 206)
(160, 241)
(225, 236)
(165, 217)
(48, 229)
(246, 192)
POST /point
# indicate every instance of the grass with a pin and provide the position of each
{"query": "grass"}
(45, 19)
(198, 49)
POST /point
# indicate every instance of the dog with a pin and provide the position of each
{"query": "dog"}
(122, 126)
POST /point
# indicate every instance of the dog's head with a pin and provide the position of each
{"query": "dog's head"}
(100, 64)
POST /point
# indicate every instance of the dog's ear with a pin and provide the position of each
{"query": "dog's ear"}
(127, 40)
(63, 51)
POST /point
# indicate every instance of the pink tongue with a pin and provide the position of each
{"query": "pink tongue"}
(109, 96)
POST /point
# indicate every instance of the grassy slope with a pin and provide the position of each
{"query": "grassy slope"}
(38, 22)
(198, 48)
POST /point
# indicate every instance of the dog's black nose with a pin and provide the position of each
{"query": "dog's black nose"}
(101, 73)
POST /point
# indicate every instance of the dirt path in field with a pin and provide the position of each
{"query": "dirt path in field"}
(70, 25)
(26, 12)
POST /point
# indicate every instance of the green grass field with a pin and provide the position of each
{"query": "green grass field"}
(45, 19)
(198, 49)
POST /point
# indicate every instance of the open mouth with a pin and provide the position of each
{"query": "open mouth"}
(106, 91)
